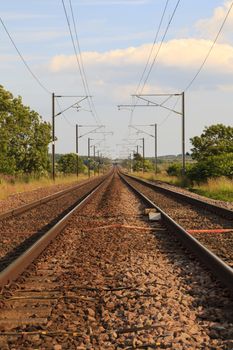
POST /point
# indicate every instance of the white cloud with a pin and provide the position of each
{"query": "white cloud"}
(209, 27)
(121, 94)
(181, 53)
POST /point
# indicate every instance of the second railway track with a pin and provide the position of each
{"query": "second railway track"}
(211, 225)
(22, 226)
(114, 280)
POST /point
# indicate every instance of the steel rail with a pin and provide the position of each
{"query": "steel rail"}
(18, 266)
(223, 212)
(219, 268)
(23, 208)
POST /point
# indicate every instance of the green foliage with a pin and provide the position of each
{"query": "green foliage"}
(138, 163)
(24, 137)
(67, 164)
(213, 151)
(215, 140)
(213, 166)
(148, 165)
(174, 169)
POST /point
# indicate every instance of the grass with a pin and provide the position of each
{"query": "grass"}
(220, 188)
(11, 185)
(173, 180)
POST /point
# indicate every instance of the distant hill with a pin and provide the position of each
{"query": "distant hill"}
(171, 158)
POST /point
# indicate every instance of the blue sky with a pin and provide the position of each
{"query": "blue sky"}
(115, 38)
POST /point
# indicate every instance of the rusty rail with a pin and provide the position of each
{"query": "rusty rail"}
(223, 212)
(34, 204)
(219, 268)
(18, 266)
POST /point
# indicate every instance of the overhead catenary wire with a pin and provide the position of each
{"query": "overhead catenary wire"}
(156, 56)
(160, 45)
(204, 60)
(29, 69)
(23, 59)
(85, 86)
(210, 49)
(81, 60)
(153, 45)
(79, 49)
(64, 115)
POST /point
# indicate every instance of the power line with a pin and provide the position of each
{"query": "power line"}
(82, 70)
(74, 47)
(168, 115)
(210, 49)
(153, 45)
(64, 115)
(205, 59)
(81, 59)
(156, 55)
(22, 58)
(160, 45)
(78, 61)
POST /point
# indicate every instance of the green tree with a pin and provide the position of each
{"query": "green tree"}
(215, 140)
(24, 137)
(138, 163)
(213, 166)
(213, 151)
(67, 164)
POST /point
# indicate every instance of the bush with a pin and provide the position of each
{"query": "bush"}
(212, 167)
(174, 169)
(67, 163)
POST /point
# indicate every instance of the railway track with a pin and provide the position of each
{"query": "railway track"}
(22, 226)
(209, 224)
(115, 280)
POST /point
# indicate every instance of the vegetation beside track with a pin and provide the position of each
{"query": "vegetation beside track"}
(10, 185)
(220, 188)
(209, 172)
(217, 188)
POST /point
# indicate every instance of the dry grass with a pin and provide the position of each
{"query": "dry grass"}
(220, 188)
(13, 186)
(174, 180)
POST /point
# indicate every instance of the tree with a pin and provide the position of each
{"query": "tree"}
(24, 137)
(215, 140)
(67, 164)
(138, 163)
(213, 151)
(213, 166)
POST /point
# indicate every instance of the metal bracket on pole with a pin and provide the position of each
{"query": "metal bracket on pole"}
(150, 103)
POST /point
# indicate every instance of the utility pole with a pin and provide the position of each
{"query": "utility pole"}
(77, 150)
(94, 159)
(101, 156)
(88, 156)
(53, 136)
(98, 152)
(54, 115)
(156, 155)
(183, 135)
(149, 103)
(143, 154)
(137, 149)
